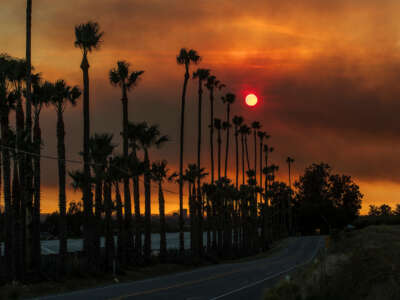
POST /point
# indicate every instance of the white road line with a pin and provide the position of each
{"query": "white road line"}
(270, 276)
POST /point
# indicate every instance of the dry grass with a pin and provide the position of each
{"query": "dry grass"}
(359, 265)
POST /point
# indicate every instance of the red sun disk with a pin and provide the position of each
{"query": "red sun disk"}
(251, 100)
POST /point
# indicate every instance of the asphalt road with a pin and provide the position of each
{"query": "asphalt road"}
(247, 280)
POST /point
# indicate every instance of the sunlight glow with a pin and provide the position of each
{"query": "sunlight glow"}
(251, 100)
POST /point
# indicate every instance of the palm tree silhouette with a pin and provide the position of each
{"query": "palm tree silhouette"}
(160, 173)
(88, 38)
(137, 169)
(261, 135)
(126, 80)
(237, 122)
(228, 99)
(202, 75)
(185, 57)
(256, 127)
(150, 136)
(211, 84)
(218, 126)
(62, 95)
(100, 148)
(7, 104)
(40, 96)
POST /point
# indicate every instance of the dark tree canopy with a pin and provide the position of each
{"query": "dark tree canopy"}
(325, 200)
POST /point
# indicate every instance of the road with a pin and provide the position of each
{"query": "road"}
(246, 280)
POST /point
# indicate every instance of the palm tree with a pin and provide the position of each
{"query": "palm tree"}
(261, 135)
(151, 136)
(245, 131)
(237, 122)
(256, 127)
(185, 57)
(160, 172)
(42, 93)
(7, 103)
(88, 38)
(100, 148)
(228, 99)
(114, 174)
(218, 126)
(137, 169)
(202, 75)
(212, 83)
(61, 96)
(126, 80)
(28, 165)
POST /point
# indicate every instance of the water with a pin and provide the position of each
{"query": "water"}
(52, 246)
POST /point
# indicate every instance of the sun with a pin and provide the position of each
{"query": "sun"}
(251, 100)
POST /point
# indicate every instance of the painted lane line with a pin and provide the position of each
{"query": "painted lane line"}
(270, 276)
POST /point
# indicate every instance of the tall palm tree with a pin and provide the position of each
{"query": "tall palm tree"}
(160, 172)
(245, 131)
(150, 137)
(126, 80)
(256, 126)
(23, 162)
(261, 135)
(185, 57)
(100, 148)
(7, 103)
(88, 38)
(218, 126)
(202, 75)
(211, 84)
(137, 169)
(228, 99)
(27, 194)
(61, 96)
(237, 122)
(41, 95)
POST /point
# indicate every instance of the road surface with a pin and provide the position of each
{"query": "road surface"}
(246, 280)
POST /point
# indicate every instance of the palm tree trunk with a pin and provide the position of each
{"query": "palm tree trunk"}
(219, 153)
(127, 193)
(18, 269)
(27, 193)
(199, 197)
(62, 199)
(212, 133)
(110, 249)
(8, 215)
(36, 249)
(243, 174)
(228, 109)
(255, 156)
(121, 230)
(88, 236)
(147, 208)
(138, 218)
(237, 156)
(21, 162)
(181, 221)
(97, 218)
(247, 153)
(163, 236)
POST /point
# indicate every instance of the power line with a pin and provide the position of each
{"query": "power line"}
(79, 162)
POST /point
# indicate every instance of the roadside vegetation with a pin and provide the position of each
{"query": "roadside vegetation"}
(359, 265)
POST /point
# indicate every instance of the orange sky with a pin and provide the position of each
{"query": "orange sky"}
(326, 72)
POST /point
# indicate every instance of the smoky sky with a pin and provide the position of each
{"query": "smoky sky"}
(326, 73)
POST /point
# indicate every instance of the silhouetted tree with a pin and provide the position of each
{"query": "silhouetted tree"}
(185, 57)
